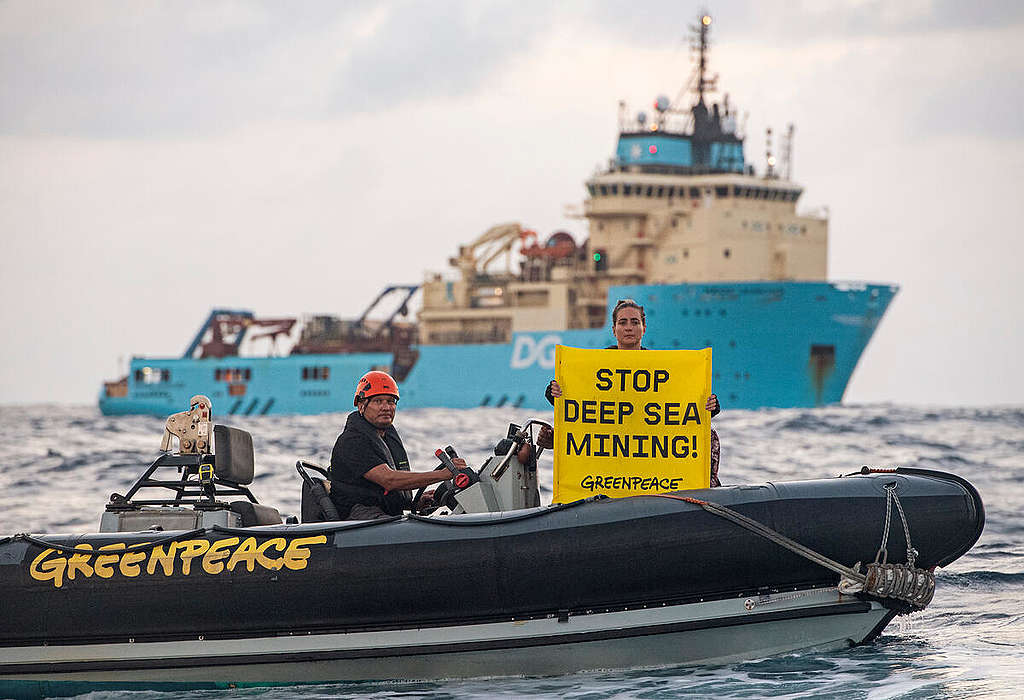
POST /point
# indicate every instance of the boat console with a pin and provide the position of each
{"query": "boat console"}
(506, 481)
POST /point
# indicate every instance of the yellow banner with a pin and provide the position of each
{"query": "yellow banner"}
(631, 422)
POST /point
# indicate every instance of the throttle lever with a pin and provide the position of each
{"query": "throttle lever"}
(446, 460)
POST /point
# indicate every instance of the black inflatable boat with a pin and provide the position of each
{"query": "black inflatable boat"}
(193, 591)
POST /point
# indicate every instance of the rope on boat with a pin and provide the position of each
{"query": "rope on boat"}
(139, 547)
(902, 582)
(189, 534)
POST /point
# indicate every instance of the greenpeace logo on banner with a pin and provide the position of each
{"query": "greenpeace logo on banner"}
(528, 351)
(631, 422)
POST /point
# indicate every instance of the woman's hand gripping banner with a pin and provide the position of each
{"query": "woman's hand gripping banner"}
(631, 422)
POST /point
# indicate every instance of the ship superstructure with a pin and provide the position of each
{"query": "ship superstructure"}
(679, 220)
(678, 203)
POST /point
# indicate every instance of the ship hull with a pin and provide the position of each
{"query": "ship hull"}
(775, 344)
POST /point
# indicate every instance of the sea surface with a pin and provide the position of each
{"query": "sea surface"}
(62, 463)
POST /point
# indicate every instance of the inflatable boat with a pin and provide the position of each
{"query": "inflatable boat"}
(202, 586)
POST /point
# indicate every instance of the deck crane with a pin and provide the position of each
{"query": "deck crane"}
(474, 258)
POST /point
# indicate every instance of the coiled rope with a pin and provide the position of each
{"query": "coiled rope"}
(902, 582)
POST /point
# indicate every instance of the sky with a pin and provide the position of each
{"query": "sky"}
(159, 159)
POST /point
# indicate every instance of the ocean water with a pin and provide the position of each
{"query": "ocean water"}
(62, 463)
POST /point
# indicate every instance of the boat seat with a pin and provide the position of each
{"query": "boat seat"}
(234, 460)
(256, 513)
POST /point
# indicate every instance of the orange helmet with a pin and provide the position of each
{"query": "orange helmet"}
(375, 383)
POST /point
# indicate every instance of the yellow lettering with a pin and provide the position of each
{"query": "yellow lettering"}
(190, 549)
(130, 561)
(296, 555)
(165, 558)
(246, 552)
(52, 570)
(80, 562)
(272, 564)
(212, 559)
(103, 561)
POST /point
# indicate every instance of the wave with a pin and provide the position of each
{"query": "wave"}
(970, 578)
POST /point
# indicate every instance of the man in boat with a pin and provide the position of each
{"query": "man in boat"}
(629, 322)
(369, 472)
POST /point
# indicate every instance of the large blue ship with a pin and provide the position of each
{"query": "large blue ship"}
(679, 221)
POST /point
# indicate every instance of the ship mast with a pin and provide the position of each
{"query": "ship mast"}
(702, 64)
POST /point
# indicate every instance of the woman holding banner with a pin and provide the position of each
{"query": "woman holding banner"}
(628, 325)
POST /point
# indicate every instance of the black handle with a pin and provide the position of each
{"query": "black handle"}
(317, 490)
(446, 461)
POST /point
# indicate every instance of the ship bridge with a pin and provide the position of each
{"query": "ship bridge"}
(674, 140)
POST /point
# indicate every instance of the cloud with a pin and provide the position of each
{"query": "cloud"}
(436, 50)
(141, 70)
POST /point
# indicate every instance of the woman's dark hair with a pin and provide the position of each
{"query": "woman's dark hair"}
(622, 304)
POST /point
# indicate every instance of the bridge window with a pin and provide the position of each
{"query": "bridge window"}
(615, 189)
(722, 191)
(317, 373)
(695, 192)
(627, 189)
(604, 190)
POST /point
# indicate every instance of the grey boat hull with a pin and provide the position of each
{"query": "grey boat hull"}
(713, 632)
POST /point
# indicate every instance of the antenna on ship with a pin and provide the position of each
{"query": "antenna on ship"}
(700, 44)
(701, 32)
(787, 153)
(770, 173)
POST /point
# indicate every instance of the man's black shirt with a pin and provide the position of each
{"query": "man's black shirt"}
(359, 449)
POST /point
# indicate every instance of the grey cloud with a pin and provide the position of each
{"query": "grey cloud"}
(155, 70)
(141, 70)
(783, 24)
(441, 49)
(985, 103)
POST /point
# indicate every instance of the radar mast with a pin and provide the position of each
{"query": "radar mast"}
(701, 44)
